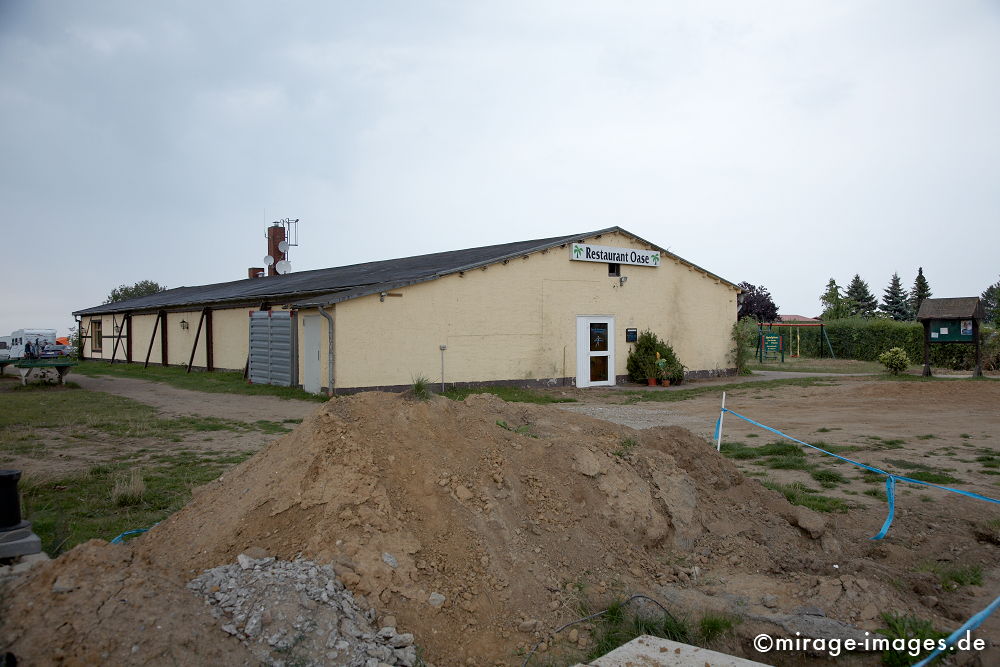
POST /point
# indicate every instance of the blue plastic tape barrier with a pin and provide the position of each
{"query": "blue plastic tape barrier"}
(890, 495)
(969, 626)
(137, 531)
(718, 427)
(890, 483)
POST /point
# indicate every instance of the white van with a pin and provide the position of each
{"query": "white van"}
(41, 337)
(4, 348)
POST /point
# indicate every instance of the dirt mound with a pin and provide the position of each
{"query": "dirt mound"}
(99, 604)
(472, 522)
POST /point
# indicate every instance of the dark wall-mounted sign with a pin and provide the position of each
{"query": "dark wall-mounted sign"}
(631, 335)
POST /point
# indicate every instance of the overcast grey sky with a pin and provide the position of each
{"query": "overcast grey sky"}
(781, 143)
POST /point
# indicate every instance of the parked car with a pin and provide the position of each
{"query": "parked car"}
(55, 351)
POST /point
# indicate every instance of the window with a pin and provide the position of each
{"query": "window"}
(95, 335)
(614, 270)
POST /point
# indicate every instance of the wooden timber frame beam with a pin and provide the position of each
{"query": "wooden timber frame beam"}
(118, 338)
(128, 339)
(149, 350)
(164, 349)
(197, 335)
(209, 357)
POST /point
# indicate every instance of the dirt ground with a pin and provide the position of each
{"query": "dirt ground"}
(69, 451)
(942, 425)
(514, 513)
(172, 401)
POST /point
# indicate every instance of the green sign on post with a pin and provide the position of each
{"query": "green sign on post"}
(771, 347)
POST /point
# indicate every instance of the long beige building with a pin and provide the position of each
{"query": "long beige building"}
(549, 311)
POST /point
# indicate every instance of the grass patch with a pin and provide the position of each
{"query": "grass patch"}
(927, 436)
(780, 448)
(837, 449)
(887, 443)
(818, 365)
(685, 394)
(509, 394)
(24, 418)
(799, 494)
(520, 430)
(933, 477)
(876, 493)
(215, 382)
(828, 478)
(989, 460)
(786, 462)
(953, 577)
(908, 465)
(421, 388)
(739, 451)
(619, 625)
(128, 490)
(68, 510)
(627, 445)
(910, 629)
(869, 477)
(782, 455)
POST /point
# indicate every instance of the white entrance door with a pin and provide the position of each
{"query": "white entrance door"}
(595, 351)
(312, 330)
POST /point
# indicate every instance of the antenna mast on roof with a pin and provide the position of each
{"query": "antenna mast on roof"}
(281, 235)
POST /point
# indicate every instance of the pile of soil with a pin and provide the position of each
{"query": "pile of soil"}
(101, 604)
(497, 508)
(478, 525)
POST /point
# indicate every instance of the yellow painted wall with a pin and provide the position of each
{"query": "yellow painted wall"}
(518, 321)
(505, 322)
(230, 338)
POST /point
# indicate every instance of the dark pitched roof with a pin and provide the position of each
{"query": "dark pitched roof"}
(327, 286)
(965, 307)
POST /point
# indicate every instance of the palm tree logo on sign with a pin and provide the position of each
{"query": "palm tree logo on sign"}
(577, 251)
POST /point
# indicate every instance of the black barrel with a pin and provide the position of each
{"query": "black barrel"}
(10, 502)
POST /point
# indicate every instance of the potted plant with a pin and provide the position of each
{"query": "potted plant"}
(661, 370)
(650, 369)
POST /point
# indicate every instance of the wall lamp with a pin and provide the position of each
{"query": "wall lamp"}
(184, 325)
(622, 280)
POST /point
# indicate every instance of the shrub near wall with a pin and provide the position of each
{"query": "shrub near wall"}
(857, 338)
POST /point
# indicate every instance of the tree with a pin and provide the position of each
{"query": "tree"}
(757, 303)
(141, 288)
(991, 304)
(894, 301)
(921, 290)
(835, 304)
(864, 301)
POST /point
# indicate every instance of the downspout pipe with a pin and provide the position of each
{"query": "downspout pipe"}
(331, 333)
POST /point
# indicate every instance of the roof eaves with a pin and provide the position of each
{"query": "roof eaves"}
(339, 296)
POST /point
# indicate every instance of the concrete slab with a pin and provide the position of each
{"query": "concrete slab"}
(647, 651)
(30, 544)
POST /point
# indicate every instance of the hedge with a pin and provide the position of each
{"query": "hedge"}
(857, 338)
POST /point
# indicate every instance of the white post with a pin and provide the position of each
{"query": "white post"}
(722, 415)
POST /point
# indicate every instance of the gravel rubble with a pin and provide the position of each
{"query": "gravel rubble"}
(298, 613)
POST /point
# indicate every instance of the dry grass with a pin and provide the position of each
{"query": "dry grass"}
(128, 490)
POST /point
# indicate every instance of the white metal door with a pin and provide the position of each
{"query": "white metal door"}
(595, 351)
(312, 329)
